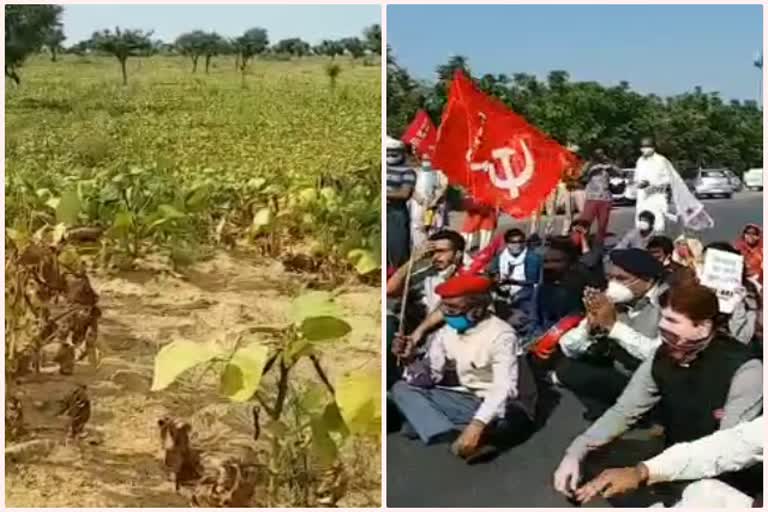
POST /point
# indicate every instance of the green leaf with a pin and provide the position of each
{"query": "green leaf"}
(314, 399)
(197, 197)
(53, 202)
(359, 398)
(242, 374)
(307, 195)
(169, 212)
(257, 183)
(315, 303)
(296, 350)
(122, 224)
(333, 420)
(364, 261)
(322, 444)
(68, 209)
(179, 356)
(322, 328)
(262, 219)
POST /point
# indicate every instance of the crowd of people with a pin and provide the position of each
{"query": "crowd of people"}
(478, 328)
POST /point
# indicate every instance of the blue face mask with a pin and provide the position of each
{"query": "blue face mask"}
(458, 322)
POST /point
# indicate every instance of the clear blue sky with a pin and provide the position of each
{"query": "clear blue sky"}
(661, 49)
(310, 22)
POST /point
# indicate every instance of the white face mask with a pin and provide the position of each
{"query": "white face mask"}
(618, 293)
(646, 151)
(643, 225)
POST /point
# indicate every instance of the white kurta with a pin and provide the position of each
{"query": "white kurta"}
(425, 192)
(726, 450)
(656, 170)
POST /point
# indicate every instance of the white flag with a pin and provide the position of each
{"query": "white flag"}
(689, 210)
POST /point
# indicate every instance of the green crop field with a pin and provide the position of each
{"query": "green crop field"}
(193, 249)
(280, 155)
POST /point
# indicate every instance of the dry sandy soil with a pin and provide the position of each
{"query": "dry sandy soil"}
(118, 463)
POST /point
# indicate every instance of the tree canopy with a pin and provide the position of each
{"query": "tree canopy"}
(27, 29)
(253, 42)
(693, 129)
(292, 46)
(198, 44)
(122, 44)
(354, 46)
(372, 37)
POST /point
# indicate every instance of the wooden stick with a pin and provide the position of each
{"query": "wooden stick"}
(403, 303)
(404, 300)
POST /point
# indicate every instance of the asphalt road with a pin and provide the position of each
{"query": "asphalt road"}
(730, 216)
(430, 476)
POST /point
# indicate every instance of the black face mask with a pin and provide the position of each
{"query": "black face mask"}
(551, 275)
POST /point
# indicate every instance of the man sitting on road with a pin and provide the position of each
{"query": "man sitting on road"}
(564, 279)
(699, 379)
(640, 235)
(619, 332)
(724, 451)
(446, 252)
(518, 271)
(496, 394)
(662, 248)
(591, 248)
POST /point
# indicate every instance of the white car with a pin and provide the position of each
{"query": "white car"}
(753, 179)
(713, 183)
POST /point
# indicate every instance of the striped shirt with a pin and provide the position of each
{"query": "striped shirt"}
(398, 177)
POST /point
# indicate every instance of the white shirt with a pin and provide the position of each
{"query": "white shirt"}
(486, 363)
(724, 451)
(512, 267)
(656, 170)
(577, 341)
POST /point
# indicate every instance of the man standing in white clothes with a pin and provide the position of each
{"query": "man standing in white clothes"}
(652, 176)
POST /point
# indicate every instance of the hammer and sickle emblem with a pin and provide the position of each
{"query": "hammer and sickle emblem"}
(505, 178)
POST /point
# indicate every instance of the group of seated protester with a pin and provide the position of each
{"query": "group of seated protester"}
(630, 330)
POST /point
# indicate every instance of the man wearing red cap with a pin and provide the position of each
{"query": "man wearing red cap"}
(495, 396)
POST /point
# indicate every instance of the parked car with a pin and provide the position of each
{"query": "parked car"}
(736, 184)
(623, 188)
(753, 179)
(713, 183)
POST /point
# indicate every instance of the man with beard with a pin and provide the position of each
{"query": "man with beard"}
(495, 397)
(699, 380)
(400, 182)
(619, 332)
(446, 252)
(662, 248)
(564, 279)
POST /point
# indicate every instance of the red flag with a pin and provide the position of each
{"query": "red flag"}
(498, 157)
(421, 134)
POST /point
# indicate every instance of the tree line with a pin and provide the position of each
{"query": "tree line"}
(695, 129)
(30, 29)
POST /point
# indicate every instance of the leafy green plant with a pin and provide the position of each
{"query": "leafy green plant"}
(322, 414)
